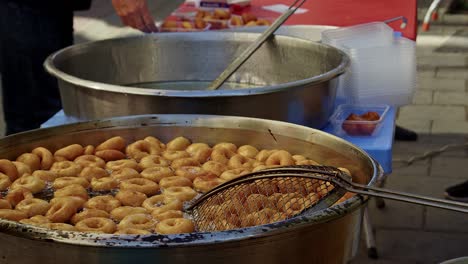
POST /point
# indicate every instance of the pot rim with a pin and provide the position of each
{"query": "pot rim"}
(179, 240)
(77, 48)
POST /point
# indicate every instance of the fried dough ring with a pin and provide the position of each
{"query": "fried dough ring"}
(140, 149)
(45, 156)
(174, 181)
(110, 155)
(226, 145)
(120, 164)
(155, 142)
(96, 225)
(32, 160)
(257, 202)
(65, 181)
(88, 150)
(222, 155)
(88, 213)
(248, 151)
(153, 161)
(205, 183)
(36, 220)
(184, 162)
(66, 168)
(175, 226)
(104, 184)
(121, 212)
(33, 206)
(167, 215)
(13, 215)
(58, 226)
(70, 152)
(90, 173)
(115, 143)
(131, 198)
(90, 161)
(175, 154)
(239, 161)
(191, 172)
(157, 173)
(161, 203)
(46, 175)
(103, 202)
(125, 174)
(62, 209)
(73, 190)
(5, 204)
(17, 195)
(34, 184)
(138, 221)
(214, 167)
(280, 157)
(234, 173)
(5, 182)
(263, 154)
(182, 193)
(178, 143)
(22, 168)
(194, 147)
(199, 151)
(8, 168)
(140, 185)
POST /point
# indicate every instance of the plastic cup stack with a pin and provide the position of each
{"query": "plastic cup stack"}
(383, 64)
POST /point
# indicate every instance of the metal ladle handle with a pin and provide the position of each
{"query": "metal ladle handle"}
(246, 54)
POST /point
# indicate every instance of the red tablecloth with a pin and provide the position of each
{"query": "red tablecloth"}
(347, 12)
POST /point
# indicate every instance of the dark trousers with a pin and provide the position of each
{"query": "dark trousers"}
(28, 35)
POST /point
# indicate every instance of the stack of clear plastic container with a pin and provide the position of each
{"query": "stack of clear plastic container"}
(383, 64)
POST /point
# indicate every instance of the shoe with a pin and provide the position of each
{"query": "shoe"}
(458, 192)
(403, 134)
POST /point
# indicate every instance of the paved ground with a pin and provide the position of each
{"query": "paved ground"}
(405, 233)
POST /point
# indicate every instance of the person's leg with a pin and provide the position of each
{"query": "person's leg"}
(29, 35)
(403, 134)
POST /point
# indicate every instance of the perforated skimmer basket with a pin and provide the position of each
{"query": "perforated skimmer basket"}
(281, 193)
(264, 197)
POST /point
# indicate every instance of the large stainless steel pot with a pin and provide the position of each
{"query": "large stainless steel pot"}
(326, 237)
(294, 80)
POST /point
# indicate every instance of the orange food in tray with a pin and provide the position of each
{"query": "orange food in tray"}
(356, 128)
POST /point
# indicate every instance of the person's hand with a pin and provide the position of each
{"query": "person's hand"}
(135, 13)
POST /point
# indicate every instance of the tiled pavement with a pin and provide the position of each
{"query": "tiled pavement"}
(404, 233)
(407, 233)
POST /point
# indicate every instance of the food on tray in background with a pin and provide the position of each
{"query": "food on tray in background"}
(222, 19)
(248, 20)
(141, 187)
(236, 21)
(221, 14)
(247, 17)
(356, 129)
(184, 26)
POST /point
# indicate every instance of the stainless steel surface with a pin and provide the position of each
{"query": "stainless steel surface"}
(244, 56)
(297, 77)
(341, 180)
(332, 232)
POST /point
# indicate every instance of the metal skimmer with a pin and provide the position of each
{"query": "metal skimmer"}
(281, 193)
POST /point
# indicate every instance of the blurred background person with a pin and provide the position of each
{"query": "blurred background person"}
(31, 30)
